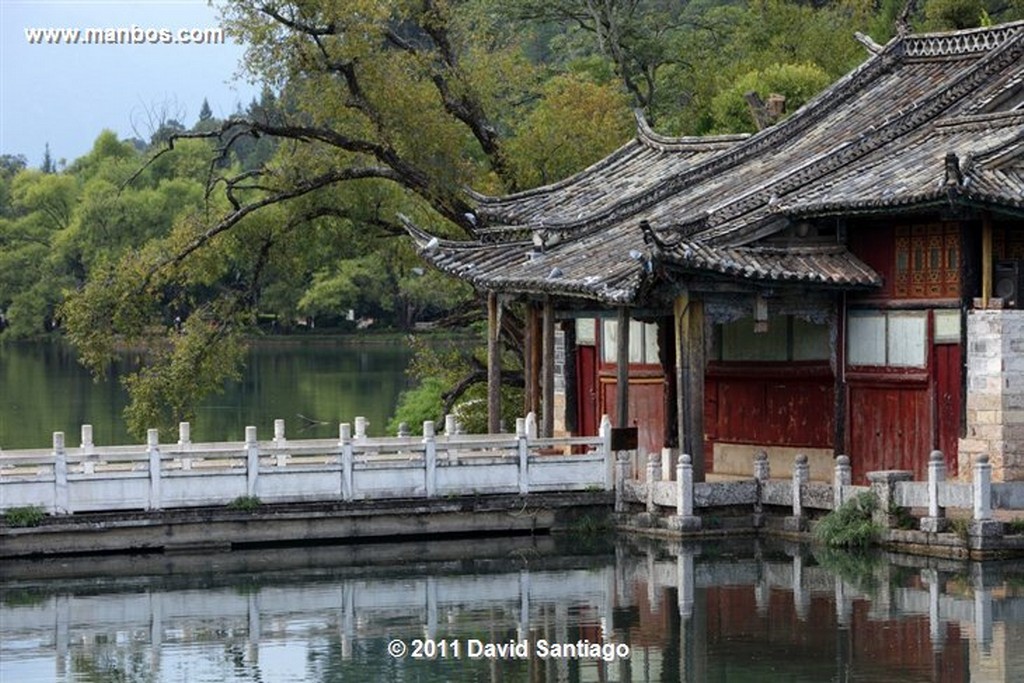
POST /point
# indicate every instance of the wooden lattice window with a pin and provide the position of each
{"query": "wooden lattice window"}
(927, 261)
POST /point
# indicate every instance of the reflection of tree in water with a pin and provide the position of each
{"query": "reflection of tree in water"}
(859, 568)
(113, 664)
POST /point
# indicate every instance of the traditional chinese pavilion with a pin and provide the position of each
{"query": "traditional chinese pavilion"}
(847, 280)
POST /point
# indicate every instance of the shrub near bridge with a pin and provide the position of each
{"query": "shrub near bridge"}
(850, 525)
(25, 516)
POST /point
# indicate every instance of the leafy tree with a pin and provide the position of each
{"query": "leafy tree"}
(954, 14)
(10, 166)
(48, 166)
(205, 113)
(797, 82)
(576, 123)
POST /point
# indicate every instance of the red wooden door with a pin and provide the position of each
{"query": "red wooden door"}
(646, 408)
(890, 428)
(586, 390)
(948, 371)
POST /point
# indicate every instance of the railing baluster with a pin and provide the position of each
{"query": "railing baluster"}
(345, 441)
(153, 453)
(252, 461)
(60, 475)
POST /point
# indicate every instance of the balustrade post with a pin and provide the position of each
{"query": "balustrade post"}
(89, 463)
(622, 465)
(762, 473)
(345, 441)
(524, 456)
(252, 461)
(983, 527)
(87, 443)
(531, 426)
(403, 430)
(280, 459)
(842, 477)
(684, 519)
(184, 442)
(184, 434)
(653, 476)
(936, 520)
(361, 424)
(605, 432)
(451, 429)
(982, 488)
(801, 474)
(155, 473)
(60, 476)
(429, 458)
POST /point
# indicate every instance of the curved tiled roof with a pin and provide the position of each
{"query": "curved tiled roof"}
(928, 120)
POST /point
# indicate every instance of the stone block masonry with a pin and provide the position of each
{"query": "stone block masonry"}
(995, 394)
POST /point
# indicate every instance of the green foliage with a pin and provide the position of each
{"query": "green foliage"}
(961, 526)
(245, 504)
(901, 517)
(797, 82)
(24, 516)
(576, 123)
(941, 15)
(850, 525)
(451, 374)
(418, 405)
(1015, 526)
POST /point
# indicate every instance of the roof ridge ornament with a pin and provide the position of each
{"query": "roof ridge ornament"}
(866, 40)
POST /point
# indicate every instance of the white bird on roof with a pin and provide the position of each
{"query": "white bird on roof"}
(471, 217)
(433, 244)
(555, 272)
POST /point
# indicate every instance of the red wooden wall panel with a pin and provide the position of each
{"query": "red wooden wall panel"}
(587, 418)
(770, 411)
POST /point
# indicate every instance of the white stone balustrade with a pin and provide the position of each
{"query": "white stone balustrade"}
(354, 467)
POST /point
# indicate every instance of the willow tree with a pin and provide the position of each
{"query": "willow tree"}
(386, 107)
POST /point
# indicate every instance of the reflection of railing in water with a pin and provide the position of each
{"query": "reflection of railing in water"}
(679, 503)
(352, 609)
(360, 614)
(977, 597)
(353, 467)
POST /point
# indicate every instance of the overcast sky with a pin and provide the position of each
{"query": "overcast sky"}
(66, 94)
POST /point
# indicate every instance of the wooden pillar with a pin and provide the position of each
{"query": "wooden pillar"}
(531, 362)
(689, 321)
(622, 369)
(548, 379)
(667, 357)
(493, 363)
(572, 425)
(986, 258)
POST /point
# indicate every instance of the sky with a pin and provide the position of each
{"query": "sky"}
(65, 95)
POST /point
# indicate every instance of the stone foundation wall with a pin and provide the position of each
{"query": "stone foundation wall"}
(995, 394)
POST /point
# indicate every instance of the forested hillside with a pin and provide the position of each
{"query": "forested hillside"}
(286, 213)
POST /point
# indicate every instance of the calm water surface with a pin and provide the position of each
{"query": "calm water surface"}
(43, 389)
(715, 612)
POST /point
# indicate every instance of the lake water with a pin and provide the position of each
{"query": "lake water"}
(43, 389)
(524, 609)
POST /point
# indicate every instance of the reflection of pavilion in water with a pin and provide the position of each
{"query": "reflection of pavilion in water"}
(687, 616)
